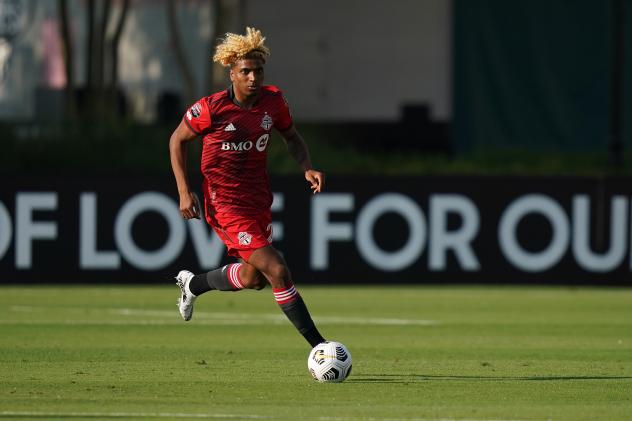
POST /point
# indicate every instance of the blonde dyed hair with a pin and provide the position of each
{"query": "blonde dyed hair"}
(237, 47)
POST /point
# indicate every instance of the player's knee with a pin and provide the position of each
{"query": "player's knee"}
(259, 287)
(252, 283)
(259, 282)
(279, 274)
(251, 278)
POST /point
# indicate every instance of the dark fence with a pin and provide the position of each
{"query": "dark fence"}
(360, 230)
(541, 74)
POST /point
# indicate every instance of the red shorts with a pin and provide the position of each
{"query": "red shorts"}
(242, 234)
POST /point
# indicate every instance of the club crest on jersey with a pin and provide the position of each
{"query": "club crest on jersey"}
(244, 238)
(266, 122)
(196, 110)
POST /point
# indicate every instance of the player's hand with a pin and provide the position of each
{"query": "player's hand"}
(316, 180)
(190, 206)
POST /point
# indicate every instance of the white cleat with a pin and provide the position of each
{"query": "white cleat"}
(186, 300)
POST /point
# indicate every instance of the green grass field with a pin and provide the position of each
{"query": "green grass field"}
(420, 353)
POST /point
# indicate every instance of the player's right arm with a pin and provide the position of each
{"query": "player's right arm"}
(189, 207)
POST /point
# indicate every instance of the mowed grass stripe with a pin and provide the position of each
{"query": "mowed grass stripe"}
(207, 416)
(205, 317)
(170, 415)
(496, 353)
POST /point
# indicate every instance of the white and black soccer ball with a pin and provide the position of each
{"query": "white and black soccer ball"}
(329, 362)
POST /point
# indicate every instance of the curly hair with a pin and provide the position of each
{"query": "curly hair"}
(237, 47)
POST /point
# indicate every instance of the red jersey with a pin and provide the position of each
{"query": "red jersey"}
(234, 153)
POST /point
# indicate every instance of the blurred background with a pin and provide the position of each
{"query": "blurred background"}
(460, 97)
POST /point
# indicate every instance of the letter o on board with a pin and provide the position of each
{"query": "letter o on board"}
(137, 257)
(371, 252)
(511, 248)
(5, 230)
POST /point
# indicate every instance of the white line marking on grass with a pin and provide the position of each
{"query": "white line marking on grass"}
(129, 415)
(163, 317)
(72, 322)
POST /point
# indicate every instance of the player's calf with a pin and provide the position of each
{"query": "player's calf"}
(295, 309)
(269, 262)
(226, 278)
(232, 277)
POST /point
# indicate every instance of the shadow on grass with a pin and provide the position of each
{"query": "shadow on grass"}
(418, 378)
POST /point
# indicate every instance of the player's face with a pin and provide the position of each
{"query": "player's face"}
(247, 77)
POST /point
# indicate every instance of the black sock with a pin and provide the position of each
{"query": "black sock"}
(297, 312)
(216, 279)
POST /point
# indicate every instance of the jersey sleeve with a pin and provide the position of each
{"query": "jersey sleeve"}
(284, 118)
(198, 117)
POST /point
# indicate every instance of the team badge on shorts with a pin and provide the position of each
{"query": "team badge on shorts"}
(244, 238)
(266, 122)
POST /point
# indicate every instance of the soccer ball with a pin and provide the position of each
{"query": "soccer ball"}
(329, 362)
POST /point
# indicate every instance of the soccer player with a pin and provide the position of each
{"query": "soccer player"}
(235, 126)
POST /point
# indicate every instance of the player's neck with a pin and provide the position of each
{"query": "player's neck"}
(245, 101)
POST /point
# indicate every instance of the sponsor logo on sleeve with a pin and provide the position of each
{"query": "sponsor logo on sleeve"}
(195, 110)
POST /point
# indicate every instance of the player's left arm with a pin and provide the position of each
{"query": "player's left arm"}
(298, 150)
